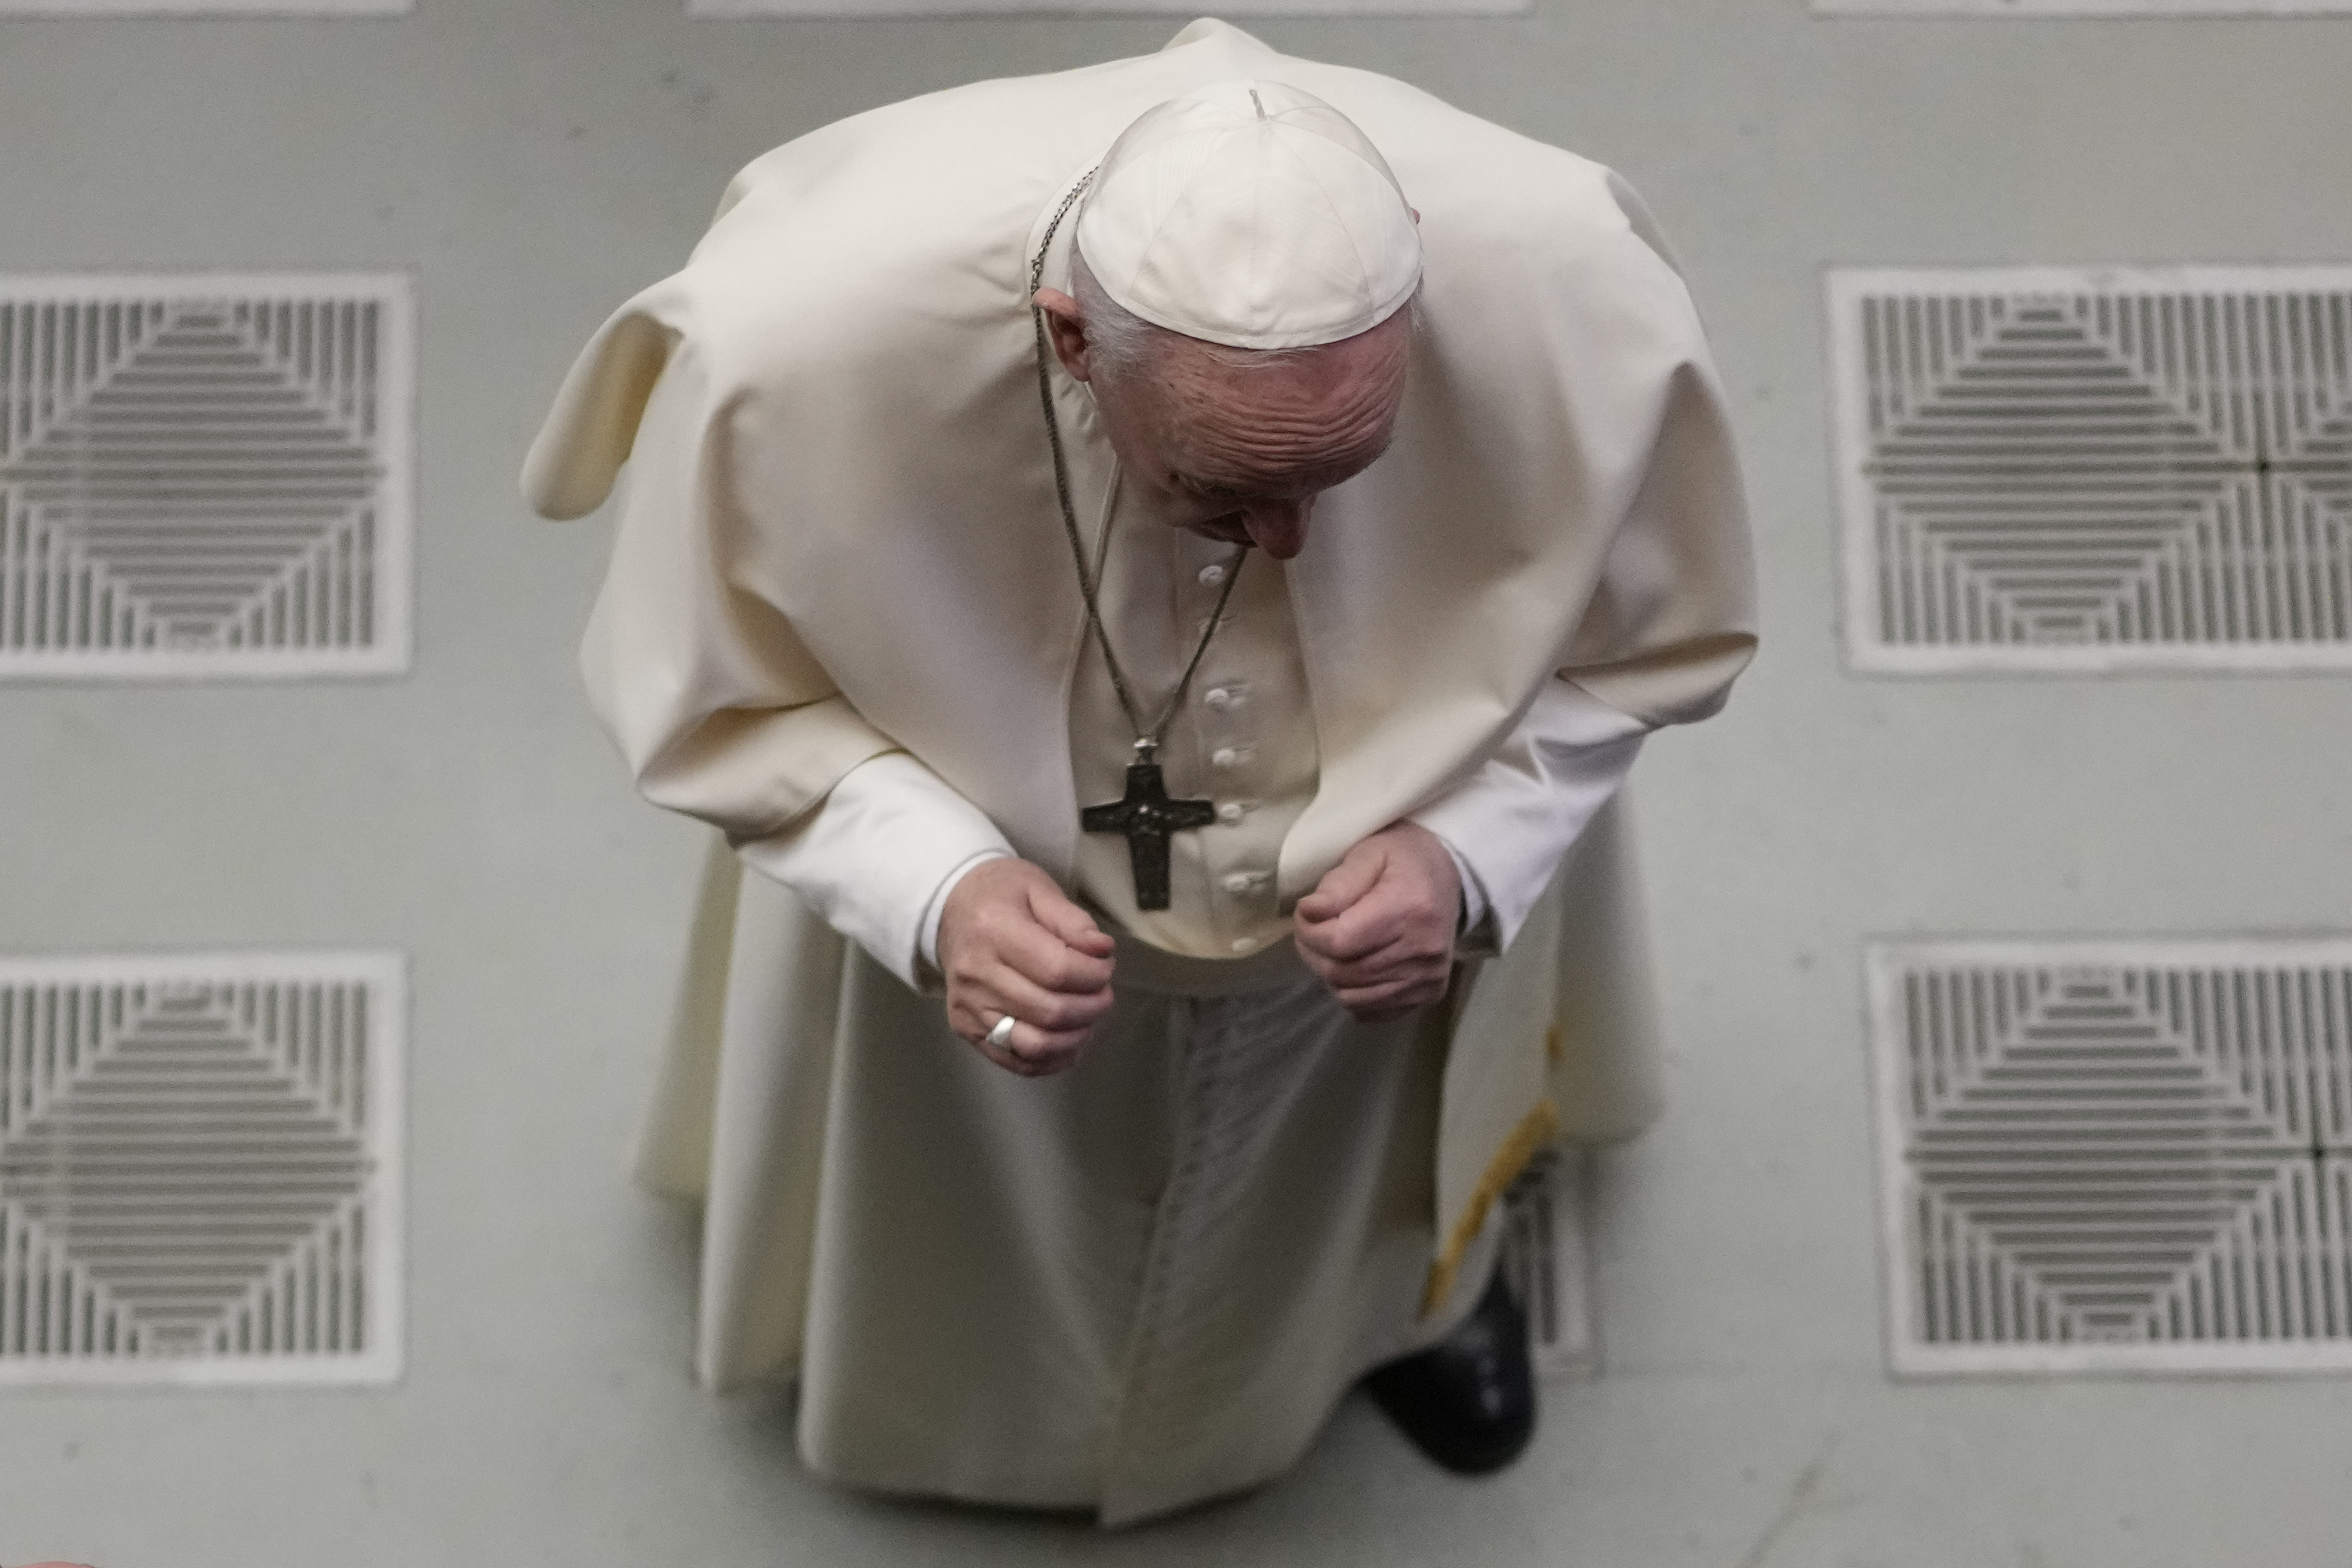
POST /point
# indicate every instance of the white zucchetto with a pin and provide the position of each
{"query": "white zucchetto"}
(1253, 214)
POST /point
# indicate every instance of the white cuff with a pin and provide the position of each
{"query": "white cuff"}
(875, 860)
(1510, 823)
(1473, 896)
(927, 946)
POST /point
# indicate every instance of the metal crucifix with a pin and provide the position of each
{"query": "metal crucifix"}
(1146, 816)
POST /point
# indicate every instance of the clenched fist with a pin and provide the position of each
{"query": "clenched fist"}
(1012, 944)
(1379, 928)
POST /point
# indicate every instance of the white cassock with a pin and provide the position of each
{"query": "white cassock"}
(842, 623)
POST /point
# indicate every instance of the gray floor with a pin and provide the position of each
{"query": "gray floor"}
(535, 161)
(528, 1440)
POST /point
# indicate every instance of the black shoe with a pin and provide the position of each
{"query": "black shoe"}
(1469, 1400)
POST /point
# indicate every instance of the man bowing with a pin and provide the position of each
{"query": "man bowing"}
(1169, 605)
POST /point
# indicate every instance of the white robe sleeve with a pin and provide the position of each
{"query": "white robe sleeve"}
(877, 859)
(1509, 824)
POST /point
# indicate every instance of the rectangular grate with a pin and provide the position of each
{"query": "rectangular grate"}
(2095, 470)
(200, 1169)
(205, 476)
(2115, 1156)
(1545, 1261)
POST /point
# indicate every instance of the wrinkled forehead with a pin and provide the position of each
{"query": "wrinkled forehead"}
(1284, 428)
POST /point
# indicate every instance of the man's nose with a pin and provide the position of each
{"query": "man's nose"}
(1278, 528)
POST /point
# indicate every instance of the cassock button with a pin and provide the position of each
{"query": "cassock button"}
(1229, 755)
(1230, 811)
(1213, 575)
(1221, 697)
(1240, 881)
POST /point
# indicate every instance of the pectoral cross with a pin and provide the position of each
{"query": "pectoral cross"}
(1146, 816)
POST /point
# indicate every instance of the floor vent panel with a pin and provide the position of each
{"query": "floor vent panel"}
(205, 476)
(1547, 1261)
(2094, 471)
(2116, 1157)
(199, 1169)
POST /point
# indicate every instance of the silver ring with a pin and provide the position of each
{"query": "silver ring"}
(1003, 1031)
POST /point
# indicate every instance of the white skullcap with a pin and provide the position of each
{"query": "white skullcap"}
(1253, 214)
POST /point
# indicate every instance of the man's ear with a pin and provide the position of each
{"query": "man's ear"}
(1068, 329)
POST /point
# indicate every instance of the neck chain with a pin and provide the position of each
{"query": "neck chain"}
(1146, 737)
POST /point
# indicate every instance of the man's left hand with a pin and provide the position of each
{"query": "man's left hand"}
(1379, 928)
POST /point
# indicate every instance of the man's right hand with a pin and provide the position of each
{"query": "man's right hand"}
(1012, 943)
